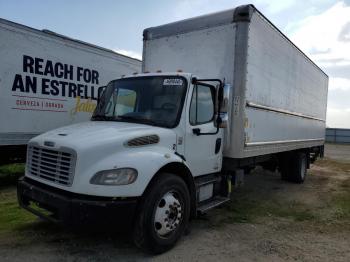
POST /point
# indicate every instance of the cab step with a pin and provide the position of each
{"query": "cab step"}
(205, 180)
(216, 201)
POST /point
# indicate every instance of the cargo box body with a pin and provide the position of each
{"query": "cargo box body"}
(279, 96)
(49, 80)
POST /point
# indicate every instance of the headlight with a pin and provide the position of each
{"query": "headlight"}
(120, 176)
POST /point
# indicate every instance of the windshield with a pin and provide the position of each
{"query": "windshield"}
(155, 100)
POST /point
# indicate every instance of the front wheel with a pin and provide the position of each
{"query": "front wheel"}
(163, 214)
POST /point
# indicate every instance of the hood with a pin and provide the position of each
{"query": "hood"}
(99, 133)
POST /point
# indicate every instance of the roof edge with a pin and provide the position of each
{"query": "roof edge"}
(200, 22)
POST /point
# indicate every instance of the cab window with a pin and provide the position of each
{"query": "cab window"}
(202, 105)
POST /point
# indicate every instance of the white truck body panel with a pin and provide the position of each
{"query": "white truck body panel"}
(279, 96)
(282, 78)
(27, 110)
(189, 52)
(101, 147)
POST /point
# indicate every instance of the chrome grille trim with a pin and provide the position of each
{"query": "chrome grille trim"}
(56, 166)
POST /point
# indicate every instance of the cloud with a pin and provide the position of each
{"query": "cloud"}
(275, 6)
(338, 118)
(190, 8)
(129, 53)
(325, 37)
(339, 83)
(344, 35)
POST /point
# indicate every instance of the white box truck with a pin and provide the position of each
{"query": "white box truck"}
(47, 81)
(165, 145)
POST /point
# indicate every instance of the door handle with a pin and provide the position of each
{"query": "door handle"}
(217, 145)
(196, 131)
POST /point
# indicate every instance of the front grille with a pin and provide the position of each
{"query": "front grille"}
(52, 165)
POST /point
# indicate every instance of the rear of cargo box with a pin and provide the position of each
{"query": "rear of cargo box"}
(279, 96)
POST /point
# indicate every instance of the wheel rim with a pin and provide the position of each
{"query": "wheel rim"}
(168, 215)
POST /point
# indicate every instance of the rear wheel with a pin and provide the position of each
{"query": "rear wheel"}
(299, 168)
(163, 214)
(293, 167)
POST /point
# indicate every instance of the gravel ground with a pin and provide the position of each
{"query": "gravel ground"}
(268, 220)
(338, 151)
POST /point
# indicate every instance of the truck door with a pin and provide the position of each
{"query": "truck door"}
(203, 151)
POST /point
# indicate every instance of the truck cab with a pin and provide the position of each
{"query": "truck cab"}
(154, 140)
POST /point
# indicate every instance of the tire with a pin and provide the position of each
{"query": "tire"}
(284, 163)
(299, 168)
(163, 214)
(293, 168)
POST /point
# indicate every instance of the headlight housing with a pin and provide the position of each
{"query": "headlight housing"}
(114, 177)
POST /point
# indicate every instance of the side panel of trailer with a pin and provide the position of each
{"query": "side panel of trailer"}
(285, 95)
(48, 81)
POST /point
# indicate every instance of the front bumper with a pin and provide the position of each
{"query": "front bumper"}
(74, 209)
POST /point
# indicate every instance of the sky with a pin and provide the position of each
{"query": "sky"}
(320, 28)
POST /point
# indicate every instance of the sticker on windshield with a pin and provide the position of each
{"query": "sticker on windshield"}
(172, 82)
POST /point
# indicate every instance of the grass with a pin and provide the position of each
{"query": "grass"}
(334, 165)
(341, 201)
(12, 216)
(249, 210)
(342, 205)
(250, 206)
(10, 173)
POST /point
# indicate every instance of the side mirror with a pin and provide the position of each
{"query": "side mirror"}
(225, 98)
(223, 120)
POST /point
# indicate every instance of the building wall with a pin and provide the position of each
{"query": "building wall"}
(337, 135)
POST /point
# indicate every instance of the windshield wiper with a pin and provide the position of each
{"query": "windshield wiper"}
(138, 120)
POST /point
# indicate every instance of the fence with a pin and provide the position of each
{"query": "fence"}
(338, 135)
